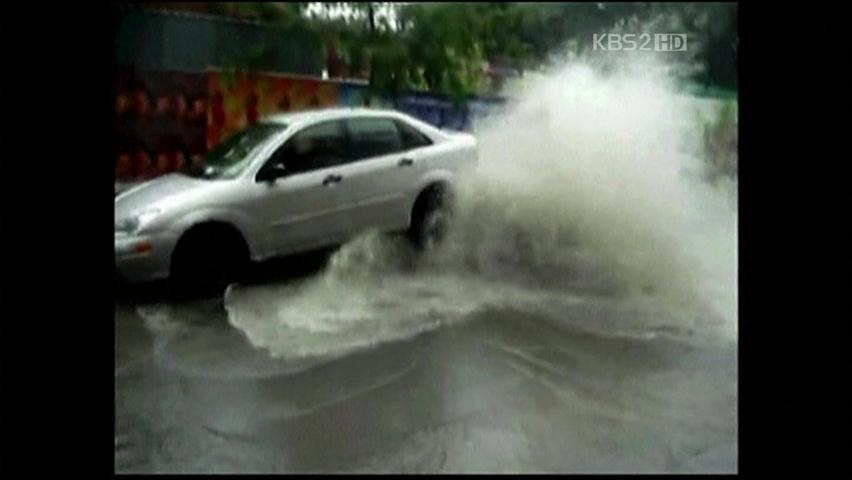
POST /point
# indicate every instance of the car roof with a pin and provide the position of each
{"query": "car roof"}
(310, 116)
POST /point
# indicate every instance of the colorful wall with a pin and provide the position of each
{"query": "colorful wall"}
(242, 99)
(161, 119)
(168, 119)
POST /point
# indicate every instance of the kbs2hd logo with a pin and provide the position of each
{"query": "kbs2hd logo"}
(626, 42)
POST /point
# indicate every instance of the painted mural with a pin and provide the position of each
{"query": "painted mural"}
(160, 122)
(166, 120)
(237, 100)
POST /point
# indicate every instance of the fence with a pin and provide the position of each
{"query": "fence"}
(175, 41)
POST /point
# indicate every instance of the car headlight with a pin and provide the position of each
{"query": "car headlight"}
(135, 222)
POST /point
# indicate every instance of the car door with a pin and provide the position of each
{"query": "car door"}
(303, 207)
(382, 168)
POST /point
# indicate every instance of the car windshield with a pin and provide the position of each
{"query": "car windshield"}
(229, 158)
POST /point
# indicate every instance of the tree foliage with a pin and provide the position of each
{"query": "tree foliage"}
(443, 47)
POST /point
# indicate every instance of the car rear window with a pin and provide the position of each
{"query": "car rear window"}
(411, 137)
(373, 137)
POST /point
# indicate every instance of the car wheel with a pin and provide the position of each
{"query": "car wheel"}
(205, 262)
(430, 218)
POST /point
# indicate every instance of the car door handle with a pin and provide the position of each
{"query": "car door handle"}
(406, 162)
(332, 179)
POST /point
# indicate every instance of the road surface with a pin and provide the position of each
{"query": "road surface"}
(502, 390)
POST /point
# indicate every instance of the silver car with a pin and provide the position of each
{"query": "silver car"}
(290, 183)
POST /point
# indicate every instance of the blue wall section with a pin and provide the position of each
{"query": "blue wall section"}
(432, 109)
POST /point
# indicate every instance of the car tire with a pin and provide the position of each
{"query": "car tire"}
(206, 261)
(430, 217)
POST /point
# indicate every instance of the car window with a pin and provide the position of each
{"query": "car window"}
(230, 157)
(372, 137)
(315, 147)
(411, 137)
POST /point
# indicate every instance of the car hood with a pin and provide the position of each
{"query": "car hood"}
(157, 193)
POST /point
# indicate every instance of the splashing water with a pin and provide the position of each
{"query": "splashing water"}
(587, 194)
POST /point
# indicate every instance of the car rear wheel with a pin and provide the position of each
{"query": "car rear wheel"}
(430, 217)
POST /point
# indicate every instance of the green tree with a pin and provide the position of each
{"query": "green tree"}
(442, 47)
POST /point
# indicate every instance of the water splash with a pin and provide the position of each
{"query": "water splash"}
(588, 191)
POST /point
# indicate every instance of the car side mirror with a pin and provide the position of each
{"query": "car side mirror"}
(272, 172)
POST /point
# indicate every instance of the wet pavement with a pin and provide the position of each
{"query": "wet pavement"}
(503, 390)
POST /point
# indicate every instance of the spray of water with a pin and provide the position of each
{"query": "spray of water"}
(588, 191)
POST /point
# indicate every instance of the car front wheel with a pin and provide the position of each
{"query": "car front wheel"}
(206, 261)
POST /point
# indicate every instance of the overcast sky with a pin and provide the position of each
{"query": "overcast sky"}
(385, 10)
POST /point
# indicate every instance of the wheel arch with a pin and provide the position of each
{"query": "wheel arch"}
(425, 190)
(244, 226)
(232, 230)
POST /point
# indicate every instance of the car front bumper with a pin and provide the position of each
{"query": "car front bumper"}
(144, 257)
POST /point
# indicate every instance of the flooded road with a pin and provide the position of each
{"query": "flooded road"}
(498, 393)
(580, 316)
